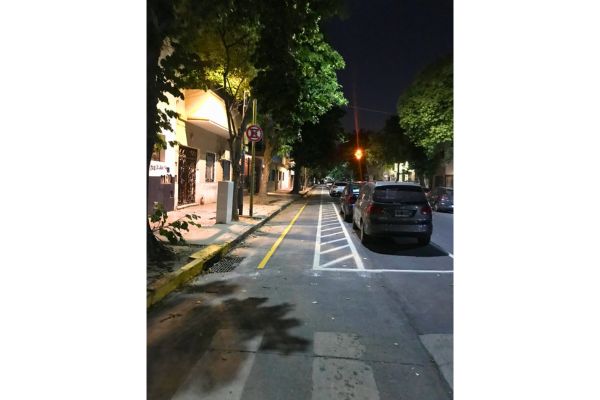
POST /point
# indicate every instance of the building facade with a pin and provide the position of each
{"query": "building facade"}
(187, 173)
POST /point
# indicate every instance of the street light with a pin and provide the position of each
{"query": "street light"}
(359, 154)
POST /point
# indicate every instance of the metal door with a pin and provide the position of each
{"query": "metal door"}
(187, 175)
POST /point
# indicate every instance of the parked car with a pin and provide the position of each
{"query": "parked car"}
(337, 188)
(348, 198)
(392, 209)
(442, 199)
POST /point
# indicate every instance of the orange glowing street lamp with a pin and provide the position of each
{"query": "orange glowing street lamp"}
(358, 154)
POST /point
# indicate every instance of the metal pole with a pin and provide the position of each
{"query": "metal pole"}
(252, 172)
(240, 193)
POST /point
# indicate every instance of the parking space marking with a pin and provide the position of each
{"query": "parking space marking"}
(410, 271)
(334, 249)
(329, 215)
(337, 260)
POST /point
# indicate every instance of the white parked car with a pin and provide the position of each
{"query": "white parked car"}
(337, 188)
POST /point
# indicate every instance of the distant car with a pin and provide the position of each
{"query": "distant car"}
(329, 183)
(442, 199)
(337, 188)
(392, 209)
(348, 198)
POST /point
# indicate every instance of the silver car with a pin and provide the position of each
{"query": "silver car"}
(337, 188)
(392, 209)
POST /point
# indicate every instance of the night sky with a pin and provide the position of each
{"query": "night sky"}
(385, 43)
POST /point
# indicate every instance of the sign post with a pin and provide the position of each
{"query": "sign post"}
(254, 133)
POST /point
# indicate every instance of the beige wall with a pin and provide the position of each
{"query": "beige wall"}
(208, 108)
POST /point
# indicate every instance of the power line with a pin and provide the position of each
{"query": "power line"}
(371, 110)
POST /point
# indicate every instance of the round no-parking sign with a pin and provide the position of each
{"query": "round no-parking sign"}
(254, 133)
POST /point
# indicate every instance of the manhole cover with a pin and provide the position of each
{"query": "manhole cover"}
(226, 264)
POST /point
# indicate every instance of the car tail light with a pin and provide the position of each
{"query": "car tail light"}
(374, 209)
(351, 199)
(426, 210)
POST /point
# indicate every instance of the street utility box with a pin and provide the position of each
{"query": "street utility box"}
(224, 202)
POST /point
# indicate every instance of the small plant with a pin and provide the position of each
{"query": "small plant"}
(171, 230)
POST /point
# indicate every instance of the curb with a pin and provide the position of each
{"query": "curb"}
(159, 289)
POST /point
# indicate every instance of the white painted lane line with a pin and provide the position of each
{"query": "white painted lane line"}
(229, 351)
(332, 241)
(337, 260)
(357, 259)
(317, 256)
(332, 234)
(331, 223)
(410, 271)
(437, 246)
(334, 249)
(335, 374)
(330, 229)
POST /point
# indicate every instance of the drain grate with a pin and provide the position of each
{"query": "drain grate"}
(226, 264)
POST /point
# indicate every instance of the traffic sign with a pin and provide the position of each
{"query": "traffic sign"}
(254, 133)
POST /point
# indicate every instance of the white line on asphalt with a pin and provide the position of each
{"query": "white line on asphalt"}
(411, 271)
(317, 259)
(330, 229)
(331, 223)
(332, 234)
(437, 246)
(337, 260)
(229, 351)
(337, 371)
(332, 241)
(357, 258)
(334, 249)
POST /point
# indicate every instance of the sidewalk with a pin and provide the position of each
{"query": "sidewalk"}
(209, 242)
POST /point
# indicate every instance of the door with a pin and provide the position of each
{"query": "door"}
(187, 175)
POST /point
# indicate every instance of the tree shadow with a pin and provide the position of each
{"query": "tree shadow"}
(403, 247)
(183, 331)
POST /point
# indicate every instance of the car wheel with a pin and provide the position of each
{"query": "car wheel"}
(364, 238)
(424, 240)
(348, 218)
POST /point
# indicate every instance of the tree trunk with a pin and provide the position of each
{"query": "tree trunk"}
(297, 179)
(262, 197)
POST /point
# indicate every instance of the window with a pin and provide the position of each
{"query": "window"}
(210, 167)
(226, 169)
(272, 175)
(391, 194)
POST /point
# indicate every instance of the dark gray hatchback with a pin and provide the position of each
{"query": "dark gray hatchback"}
(392, 209)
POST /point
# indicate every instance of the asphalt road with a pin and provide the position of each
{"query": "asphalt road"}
(326, 318)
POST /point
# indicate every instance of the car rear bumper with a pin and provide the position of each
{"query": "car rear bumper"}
(415, 230)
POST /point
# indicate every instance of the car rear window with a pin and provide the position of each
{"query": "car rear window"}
(394, 194)
(340, 184)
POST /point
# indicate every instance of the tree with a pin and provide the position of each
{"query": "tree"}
(317, 147)
(392, 145)
(426, 109)
(296, 81)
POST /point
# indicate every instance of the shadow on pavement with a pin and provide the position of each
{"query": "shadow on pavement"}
(181, 332)
(403, 247)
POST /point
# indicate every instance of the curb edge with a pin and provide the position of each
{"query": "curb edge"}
(174, 280)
